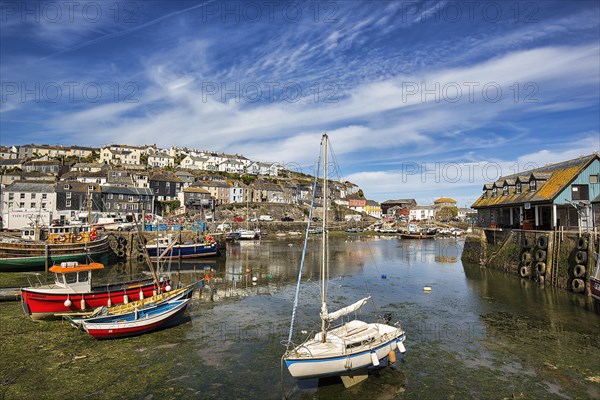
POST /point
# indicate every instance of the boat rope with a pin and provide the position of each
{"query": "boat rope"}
(310, 211)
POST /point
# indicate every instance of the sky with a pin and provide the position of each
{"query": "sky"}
(421, 99)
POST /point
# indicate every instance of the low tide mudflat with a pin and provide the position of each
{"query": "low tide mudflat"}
(478, 334)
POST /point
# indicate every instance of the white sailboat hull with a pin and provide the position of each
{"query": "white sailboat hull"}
(314, 359)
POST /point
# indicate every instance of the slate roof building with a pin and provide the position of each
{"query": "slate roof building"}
(552, 196)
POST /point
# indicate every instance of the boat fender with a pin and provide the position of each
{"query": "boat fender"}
(392, 357)
(247, 270)
(542, 242)
(254, 279)
(582, 243)
(109, 302)
(125, 299)
(581, 257)
(62, 238)
(82, 303)
(79, 238)
(401, 347)
(141, 294)
(68, 303)
(579, 271)
(374, 359)
(578, 285)
(541, 268)
(154, 292)
(525, 272)
(540, 255)
(168, 288)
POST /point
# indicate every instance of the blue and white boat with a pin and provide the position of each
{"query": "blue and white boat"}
(146, 319)
(347, 350)
(165, 247)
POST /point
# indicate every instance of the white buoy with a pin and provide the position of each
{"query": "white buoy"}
(141, 294)
(109, 302)
(374, 359)
(125, 298)
(68, 302)
(427, 289)
(168, 288)
(82, 303)
(254, 279)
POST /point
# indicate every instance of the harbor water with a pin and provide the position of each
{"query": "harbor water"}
(477, 334)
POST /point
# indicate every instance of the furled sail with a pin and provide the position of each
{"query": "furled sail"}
(345, 311)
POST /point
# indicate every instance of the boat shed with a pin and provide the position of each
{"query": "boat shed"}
(545, 198)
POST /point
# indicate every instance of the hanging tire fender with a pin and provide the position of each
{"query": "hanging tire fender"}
(540, 255)
(578, 285)
(579, 271)
(540, 267)
(582, 243)
(542, 242)
(581, 257)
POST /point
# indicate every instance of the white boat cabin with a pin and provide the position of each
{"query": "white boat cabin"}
(74, 276)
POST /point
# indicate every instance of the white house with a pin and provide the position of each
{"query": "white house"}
(116, 154)
(161, 160)
(422, 213)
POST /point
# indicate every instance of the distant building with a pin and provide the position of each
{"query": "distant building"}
(422, 213)
(402, 203)
(444, 202)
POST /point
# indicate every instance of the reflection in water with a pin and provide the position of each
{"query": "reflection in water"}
(478, 333)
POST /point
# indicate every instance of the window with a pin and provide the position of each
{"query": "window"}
(593, 178)
(130, 198)
(90, 187)
(505, 190)
(22, 196)
(11, 196)
(494, 192)
(580, 192)
(121, 196)
(32, 205)
(44, 196)
(32, 196)
(532, 186)
(44, 205)
(168, 184)
(518, 188)
(21, 205)
(68, 195)
(110, 196)
(68, 203)
(66, 187)
(156, 190)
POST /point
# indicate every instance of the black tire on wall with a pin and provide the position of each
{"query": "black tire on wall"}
(579, 271)
(582, 243)
(542, 242)
(526, 257)
(527, 243)
(540, 267)
(578, 285)
(540, 255)
(525, 272)
(581, 257)
(121, 254)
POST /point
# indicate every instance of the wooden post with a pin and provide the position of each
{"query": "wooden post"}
(46, 256)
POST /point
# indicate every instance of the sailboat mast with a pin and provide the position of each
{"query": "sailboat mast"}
(324, 240)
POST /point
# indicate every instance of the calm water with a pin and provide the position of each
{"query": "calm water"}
(478, 334)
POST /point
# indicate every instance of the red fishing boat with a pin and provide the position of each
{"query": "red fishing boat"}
(72, 291)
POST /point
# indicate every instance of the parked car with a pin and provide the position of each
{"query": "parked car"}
(265, 218)
(287, 218)
(238, 219)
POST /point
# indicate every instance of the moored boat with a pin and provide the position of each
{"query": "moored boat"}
(165, 248)
(72, 291)
(34, 251)
(346, 350)
(146, 319)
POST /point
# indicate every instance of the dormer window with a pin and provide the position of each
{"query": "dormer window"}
(66, 187)
(494, 192)
(532, 186)
(505, 190)
(518, 188)
(485, 194)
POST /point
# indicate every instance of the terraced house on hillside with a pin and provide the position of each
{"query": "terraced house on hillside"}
(565, 194)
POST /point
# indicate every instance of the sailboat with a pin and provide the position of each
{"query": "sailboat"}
(346, 350)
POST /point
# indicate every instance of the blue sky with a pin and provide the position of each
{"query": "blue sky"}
(420, 99)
